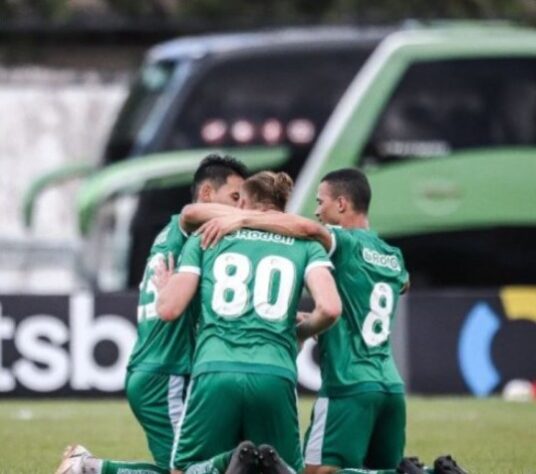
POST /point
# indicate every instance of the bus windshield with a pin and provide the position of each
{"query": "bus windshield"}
(265, 99)
(441, 107)
(269, 98)
(148, 87)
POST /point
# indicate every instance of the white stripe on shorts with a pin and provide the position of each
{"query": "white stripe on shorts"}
(313, 450)
(175, 401)
(179, 425)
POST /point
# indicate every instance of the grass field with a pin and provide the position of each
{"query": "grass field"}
(487, 436)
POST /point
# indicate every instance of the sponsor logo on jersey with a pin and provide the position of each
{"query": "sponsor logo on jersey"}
(264, 236)
(381, 260)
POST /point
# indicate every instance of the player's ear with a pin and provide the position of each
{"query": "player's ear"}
(205, 192)
(342, 204)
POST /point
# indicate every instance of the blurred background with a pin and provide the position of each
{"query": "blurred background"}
(108, 105)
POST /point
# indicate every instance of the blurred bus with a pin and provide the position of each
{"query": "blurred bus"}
(236, 91)
(441, 118)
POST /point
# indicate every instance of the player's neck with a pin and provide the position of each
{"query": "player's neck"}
(354, 221)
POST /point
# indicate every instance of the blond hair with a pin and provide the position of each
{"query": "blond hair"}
(269, 188)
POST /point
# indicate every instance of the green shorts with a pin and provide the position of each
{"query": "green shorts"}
(225, 408)
(362, 430)
(157, 401)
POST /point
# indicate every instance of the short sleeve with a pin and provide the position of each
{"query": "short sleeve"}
(317, 257)
(340, 238)
(191, 256)
(176, 239)
(179, 226)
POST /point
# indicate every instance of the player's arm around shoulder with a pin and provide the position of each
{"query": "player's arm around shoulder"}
(342, 240)
(328, 305)
(194, 215)
(290, 225)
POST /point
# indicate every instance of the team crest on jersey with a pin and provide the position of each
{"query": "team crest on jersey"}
(381, 260)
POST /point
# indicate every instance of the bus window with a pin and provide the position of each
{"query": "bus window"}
(146, 90)
(268, 99)
(445, 106)
(441, 108)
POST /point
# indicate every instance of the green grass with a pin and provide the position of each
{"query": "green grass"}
(487, 436)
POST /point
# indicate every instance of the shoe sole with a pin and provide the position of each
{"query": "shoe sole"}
(274, 462)
(70, 452)
(244, 460)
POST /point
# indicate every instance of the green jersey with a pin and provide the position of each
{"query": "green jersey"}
(164, 347)
(355, 354)
(251, 283)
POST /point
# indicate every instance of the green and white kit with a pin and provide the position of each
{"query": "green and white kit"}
(244, 371)
(359, 375)
(161, 361)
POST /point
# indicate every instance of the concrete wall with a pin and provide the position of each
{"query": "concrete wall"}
(50, 118)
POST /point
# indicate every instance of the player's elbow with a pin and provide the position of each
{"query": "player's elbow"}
(188, 213)
(166, 315)
(189, 217)
(334, 311)
(165, 311)
(331, 309)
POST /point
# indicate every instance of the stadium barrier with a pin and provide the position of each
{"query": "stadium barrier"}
(445, 343)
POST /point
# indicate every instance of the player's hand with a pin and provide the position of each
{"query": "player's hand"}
(162, 272)
(215, 229)
(302, 316)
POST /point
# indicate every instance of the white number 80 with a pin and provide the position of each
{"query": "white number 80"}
(230, 296)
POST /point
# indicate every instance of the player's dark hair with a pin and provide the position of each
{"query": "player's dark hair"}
(216, 169)
(352, 184)
(267, 187)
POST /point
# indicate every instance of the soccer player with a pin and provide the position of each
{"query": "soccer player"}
(244, 371)
(359, 418)
(160, 364)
